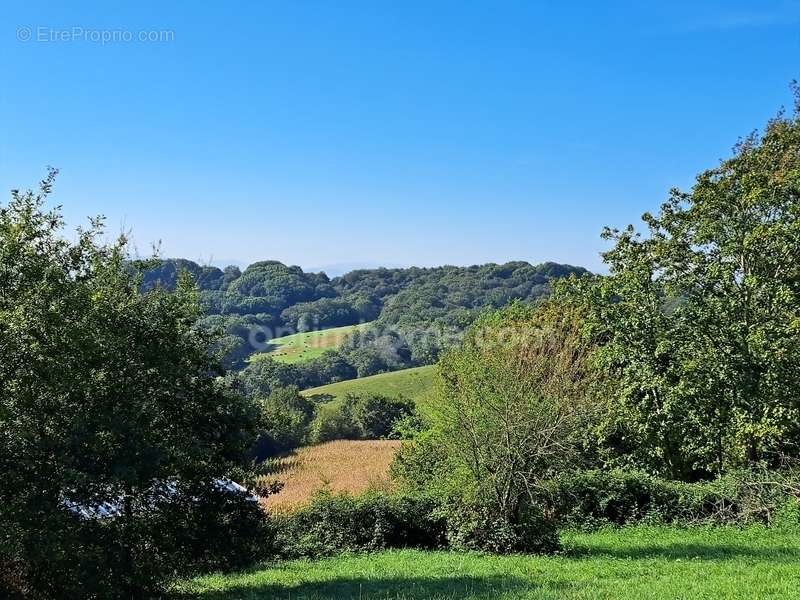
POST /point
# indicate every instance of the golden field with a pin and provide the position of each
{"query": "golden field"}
(339, 466)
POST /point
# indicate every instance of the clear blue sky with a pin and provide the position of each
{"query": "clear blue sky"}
(401, 133)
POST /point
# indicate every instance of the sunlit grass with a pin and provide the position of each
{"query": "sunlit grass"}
(301, 347)
(411, 383)
(641, 562)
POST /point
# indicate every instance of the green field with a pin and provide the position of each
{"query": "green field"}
(641, 562)
(411, 383)
(300, 347)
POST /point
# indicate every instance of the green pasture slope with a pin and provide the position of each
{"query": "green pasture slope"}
(411, 383)
(301, 347)
(642, 562)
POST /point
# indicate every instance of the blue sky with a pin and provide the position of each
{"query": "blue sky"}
(425, 133)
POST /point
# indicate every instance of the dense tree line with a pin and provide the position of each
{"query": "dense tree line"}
(417, 311)
(292, 421)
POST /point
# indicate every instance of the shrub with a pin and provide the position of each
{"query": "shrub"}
(373, 521)
(408, 427)
(375, 416)
(335, 523)
(508, 408)
(197, 529)
(239, 527)
(421, 464)
(333, 422)
(478, 526)
(787, 515)
(590, 499)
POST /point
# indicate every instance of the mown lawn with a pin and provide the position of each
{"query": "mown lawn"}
(641, 562)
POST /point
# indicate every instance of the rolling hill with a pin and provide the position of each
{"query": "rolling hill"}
(301, 347)
(411, 383)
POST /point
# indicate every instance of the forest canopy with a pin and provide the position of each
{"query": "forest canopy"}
(269, 299)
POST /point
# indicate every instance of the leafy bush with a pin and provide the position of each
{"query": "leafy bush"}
(407, 427)
(237, 524)
(420, 464)
(287, 416)
(787, 515)
(478, 526)
(589, 499)
(198, 529)
(375, 416)
(510, 404)
(373, 521)
(365, 417)
(335, 523)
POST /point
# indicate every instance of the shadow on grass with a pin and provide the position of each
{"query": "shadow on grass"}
(399, 588)
(686, 551)
(320, 398)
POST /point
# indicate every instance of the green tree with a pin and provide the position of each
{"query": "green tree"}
(260, 377)
(509, 408)
(700, 319)
(334, 422)
(375, 415)
(288, 416)
(107, 394)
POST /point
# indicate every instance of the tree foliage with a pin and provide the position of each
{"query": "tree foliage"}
(106, 394)
(699, 319)
(509, 407)
(287, 416)
(429, 307)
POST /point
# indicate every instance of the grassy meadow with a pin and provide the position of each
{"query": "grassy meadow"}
(340, 466)
(638, 562)
(301, 347)
(411, 383)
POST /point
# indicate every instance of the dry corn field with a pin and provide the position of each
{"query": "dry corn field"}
(340, 466)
